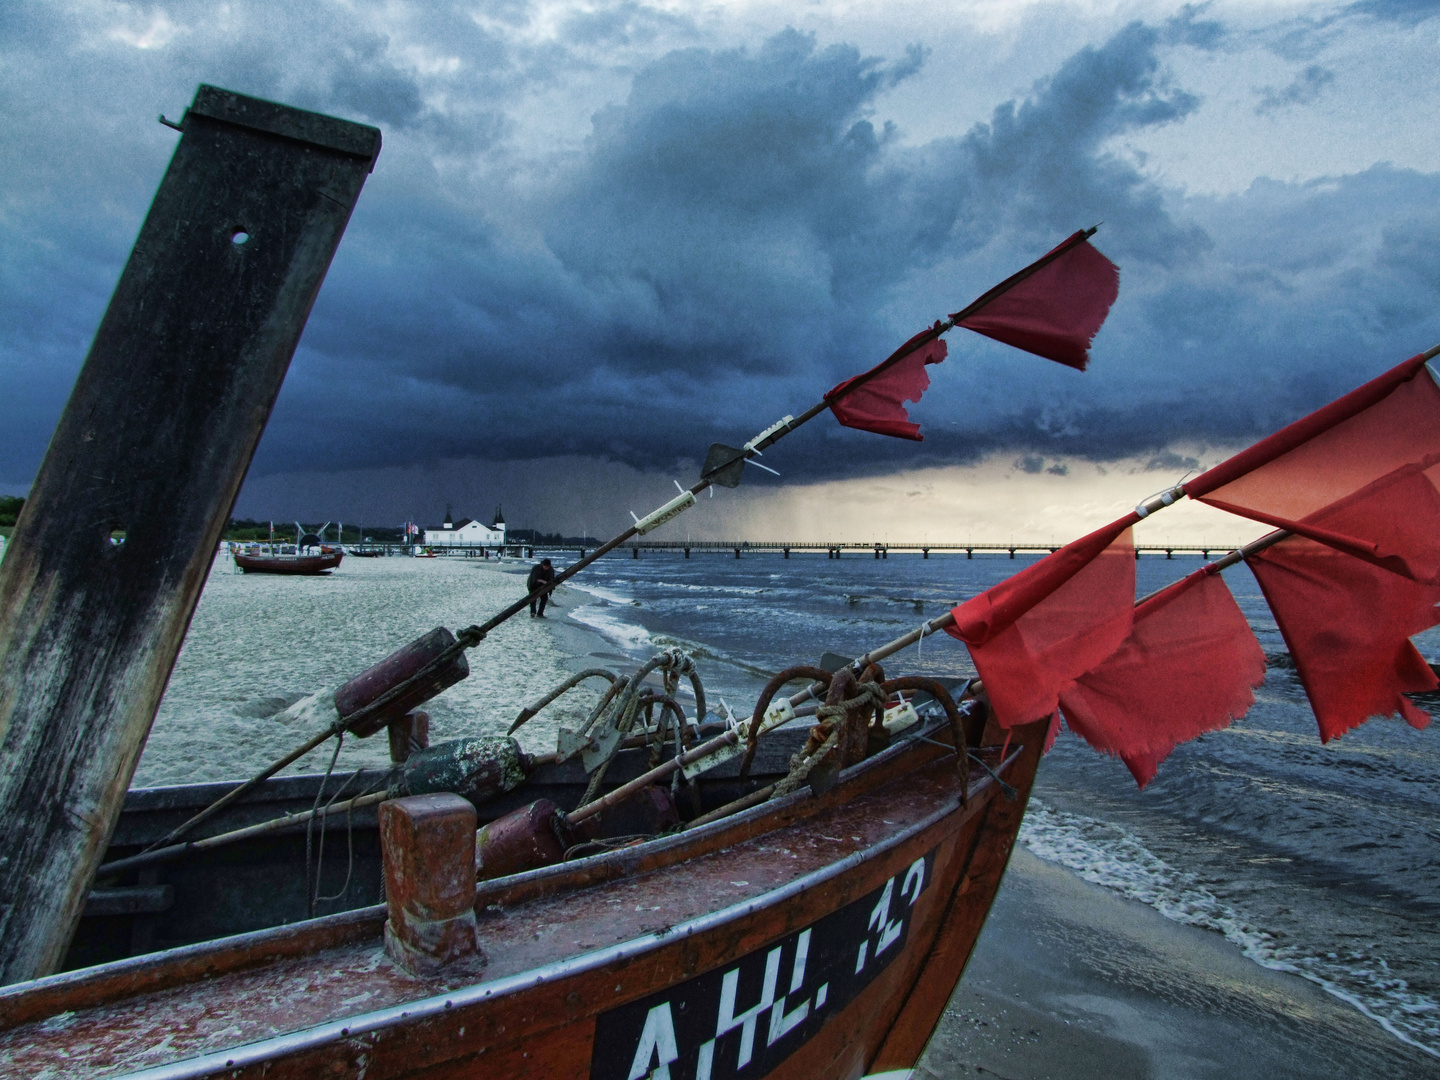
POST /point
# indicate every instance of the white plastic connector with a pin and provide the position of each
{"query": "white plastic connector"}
(899, 717)
(673, 508)
(1158, 502)
(784, 422)
(782, 712)
(779, 714)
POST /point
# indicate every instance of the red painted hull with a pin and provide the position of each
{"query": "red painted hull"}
(289, 564)
(815, 938)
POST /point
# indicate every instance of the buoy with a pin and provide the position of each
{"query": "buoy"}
(477, 769)
(396, 669)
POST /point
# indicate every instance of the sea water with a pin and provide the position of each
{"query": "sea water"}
(1316, 860)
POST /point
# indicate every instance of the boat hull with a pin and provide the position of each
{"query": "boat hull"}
(289, 564)
(837, 972)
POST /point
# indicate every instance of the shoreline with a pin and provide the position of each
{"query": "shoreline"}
(1071, 981)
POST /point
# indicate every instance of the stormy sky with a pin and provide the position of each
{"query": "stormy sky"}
(602, 235)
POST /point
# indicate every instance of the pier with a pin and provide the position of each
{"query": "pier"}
(834, 549)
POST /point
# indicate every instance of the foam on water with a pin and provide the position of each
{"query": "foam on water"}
(610, 596)
(1107, 854)
(604, 620)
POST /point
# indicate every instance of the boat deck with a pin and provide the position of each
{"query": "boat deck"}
(205, 998)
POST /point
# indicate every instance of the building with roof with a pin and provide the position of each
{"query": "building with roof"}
(467, 532)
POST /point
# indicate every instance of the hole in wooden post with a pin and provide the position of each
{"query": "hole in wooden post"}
(239, 236)
(114, 536)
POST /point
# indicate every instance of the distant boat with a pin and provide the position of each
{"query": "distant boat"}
(323, 562)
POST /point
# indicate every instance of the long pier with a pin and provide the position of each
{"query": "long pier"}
(835, 549)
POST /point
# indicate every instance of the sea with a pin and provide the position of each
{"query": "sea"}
(1319, 860)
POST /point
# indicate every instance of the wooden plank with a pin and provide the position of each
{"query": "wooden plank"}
(155, 441)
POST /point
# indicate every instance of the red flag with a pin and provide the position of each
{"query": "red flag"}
(1189, 666)
(1348, 625)
(875, 401)
(1050, 623)
(1054, 307)
(1361, 475)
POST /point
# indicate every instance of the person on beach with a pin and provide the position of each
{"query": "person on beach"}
(541, 574)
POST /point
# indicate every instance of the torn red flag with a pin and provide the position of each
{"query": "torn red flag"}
(1190, 665)
(1054, 307)
(1052, 622)
(1361, 475)
(875, 401)
(1348, 624)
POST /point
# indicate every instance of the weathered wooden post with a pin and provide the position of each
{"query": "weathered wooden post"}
(154, 442)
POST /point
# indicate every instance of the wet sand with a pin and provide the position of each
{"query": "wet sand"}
(1072, 982)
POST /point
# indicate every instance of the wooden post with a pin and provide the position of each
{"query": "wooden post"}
(154, 441)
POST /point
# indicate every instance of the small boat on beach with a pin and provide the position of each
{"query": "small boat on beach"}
(303, 562)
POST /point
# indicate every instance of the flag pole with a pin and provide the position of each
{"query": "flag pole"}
(723, 465)
(723, 471)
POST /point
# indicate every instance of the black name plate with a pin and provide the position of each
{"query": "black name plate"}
(744, 1019)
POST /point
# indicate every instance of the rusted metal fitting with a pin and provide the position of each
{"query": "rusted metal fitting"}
(392, 672)
(649, 812)
(409, 734)
(524, 839)
(428, 844)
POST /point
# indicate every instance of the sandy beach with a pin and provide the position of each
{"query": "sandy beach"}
(1069, 980)
(258, 644)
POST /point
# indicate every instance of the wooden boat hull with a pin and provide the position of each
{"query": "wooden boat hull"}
(289, 564)
(856, 913)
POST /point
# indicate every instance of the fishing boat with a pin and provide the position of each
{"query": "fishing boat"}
(813, 935)
(304, 562)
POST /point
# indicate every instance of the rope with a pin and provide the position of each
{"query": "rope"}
(800, 766)
(312, 884)
(870, 695)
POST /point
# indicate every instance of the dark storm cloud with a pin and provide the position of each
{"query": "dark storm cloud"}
(738, 233)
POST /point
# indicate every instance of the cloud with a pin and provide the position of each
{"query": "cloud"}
(1304, 90)
(731, 231)
(1406, 12)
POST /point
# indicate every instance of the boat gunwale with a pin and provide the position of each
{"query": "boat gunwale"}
(102, 984)
(418, 1011)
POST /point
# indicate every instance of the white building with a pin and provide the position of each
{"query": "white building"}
(466, 533)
